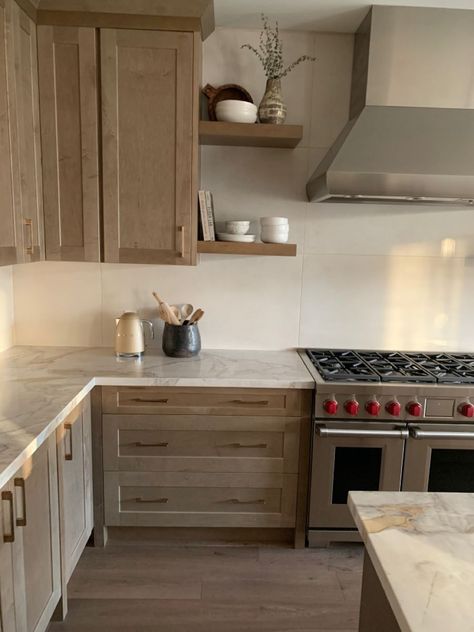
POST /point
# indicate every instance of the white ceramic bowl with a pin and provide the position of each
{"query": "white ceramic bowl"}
(274, 221)
(274, 238)
(272, 230)
(232, 111)
(237, 227)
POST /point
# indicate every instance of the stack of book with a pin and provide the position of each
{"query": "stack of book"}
(206, 217)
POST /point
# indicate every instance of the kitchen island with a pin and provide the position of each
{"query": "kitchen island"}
(419, 563)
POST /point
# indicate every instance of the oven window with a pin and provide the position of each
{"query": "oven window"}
(451, 471)
(355, 469)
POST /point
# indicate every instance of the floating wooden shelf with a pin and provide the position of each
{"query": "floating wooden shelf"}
(236, 248)
(249, 134)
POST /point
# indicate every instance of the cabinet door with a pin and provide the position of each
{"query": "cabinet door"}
(36, 496)
(10, 232)
(8, 557)
(75, 481)
(28, 133)
(149, 144)
(67, 59)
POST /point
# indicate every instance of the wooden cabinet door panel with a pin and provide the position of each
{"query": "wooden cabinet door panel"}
(8, 556)
(69, 131)
(75, 480)
(10, 221)
(28, 133)
(148, 105)
(39, 537)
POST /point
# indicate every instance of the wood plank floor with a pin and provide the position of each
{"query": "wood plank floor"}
(145, 588)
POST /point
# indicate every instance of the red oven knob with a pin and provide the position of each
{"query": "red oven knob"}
(351, 407)
(394, 408)
(414, 409)
(467, 409)
(373, 407)
(330, 406)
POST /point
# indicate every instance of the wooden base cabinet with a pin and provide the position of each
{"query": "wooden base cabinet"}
(205, 458)
(75, 485)
(29, 553)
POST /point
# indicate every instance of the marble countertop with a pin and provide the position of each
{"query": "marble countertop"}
(40, 386)
(422, 548)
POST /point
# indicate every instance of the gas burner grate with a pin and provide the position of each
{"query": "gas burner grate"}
(393, 366)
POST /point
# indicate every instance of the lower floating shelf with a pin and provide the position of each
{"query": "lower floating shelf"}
(238, 248)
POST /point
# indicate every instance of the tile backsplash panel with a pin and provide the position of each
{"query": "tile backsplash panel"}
(6, 308)
(380, 276)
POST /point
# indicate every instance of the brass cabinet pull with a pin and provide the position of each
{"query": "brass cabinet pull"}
(68, 429)
(20, 482)
(243, 445)
(150, 401)
(242, 402)
(182, 231)
(28, 223)
(143, 501)
(236, 501)
(139, 444)
(9, 537)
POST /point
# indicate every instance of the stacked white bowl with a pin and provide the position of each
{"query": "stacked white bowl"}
(275, 230)
(234, 111)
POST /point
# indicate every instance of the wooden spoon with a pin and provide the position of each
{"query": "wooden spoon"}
(198, 314)
(186, 311)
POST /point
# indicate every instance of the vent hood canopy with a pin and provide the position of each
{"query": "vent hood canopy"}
(410, 137)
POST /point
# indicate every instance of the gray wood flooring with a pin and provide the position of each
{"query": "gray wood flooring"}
(125, 588)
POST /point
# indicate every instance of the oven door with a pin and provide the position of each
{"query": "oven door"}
(439, 458)
(349, 456)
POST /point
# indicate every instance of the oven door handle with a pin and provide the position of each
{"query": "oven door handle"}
(398, 433)
(417, 433)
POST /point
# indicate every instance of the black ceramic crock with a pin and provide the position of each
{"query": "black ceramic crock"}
(181, 341)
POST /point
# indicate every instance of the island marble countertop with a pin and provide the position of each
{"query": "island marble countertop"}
(422, 548)
(40, 386)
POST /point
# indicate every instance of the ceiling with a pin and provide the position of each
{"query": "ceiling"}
(312, 15)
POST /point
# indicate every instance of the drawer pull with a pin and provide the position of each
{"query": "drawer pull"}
(243, 402)
(9, 537)
(245, 446)
(20, 482)
(149, 401)
(68, 429)
(236, 501)
(144, 501)
(139, 444)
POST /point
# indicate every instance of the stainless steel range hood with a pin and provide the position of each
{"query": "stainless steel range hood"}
(410, 137)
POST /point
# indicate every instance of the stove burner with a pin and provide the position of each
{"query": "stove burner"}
(393, 366)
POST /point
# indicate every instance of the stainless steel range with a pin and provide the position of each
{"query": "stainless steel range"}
(387, 421)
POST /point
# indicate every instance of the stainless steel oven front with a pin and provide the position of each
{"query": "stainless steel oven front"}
(439, 458)
(347, 456)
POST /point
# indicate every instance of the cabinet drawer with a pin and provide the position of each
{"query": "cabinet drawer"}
(199, 499)
(201, 401)
(201, 444)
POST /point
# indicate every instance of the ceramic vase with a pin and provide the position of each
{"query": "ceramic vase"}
(272, 109)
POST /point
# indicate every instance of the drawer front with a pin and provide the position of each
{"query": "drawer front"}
(194, 443)
(200, 499)
(201, 401)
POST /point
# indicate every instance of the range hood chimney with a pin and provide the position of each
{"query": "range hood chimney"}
(410, 137)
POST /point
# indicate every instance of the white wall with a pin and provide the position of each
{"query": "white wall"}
(6, 308)
(365, 276)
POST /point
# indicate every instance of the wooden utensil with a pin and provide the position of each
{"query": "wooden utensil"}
(186, 311)
(176, 311)
(166, 313)
(198, 314)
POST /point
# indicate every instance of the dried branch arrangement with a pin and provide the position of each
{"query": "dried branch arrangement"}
(270, 52)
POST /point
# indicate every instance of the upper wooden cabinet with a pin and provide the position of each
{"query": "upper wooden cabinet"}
(10, 221)
(28, 133)
(150, 129)
(69, 134)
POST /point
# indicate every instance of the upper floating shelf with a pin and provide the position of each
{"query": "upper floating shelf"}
(249, 134)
